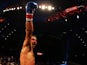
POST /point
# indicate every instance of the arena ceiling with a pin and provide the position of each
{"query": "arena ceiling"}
(61, 4)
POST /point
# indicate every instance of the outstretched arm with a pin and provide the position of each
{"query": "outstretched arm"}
(30, 8)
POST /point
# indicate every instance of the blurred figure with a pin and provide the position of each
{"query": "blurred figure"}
(27, 54)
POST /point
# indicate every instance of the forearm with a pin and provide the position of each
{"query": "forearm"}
(28, 35)
(29, 26)
(29, 29)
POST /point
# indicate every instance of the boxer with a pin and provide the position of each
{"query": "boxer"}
(27, 55)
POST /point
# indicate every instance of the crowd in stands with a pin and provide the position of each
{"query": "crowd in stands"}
(8, 60)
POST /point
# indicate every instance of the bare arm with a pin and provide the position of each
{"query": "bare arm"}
(30, 7)
(29, 31)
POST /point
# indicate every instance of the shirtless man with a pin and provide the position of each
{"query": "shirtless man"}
(27, 54)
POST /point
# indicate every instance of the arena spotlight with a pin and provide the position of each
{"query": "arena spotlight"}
(12, 9)
(46, 7)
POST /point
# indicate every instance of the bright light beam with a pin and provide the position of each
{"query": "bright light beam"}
(46, 7)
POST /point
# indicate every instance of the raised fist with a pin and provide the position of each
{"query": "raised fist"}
(31, 6)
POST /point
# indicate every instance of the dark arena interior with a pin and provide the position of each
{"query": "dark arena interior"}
(61, 32)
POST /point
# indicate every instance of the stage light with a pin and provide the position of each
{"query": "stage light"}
(46, 7)
(50, 8)
(43, 7)
(39, 53)
(66, 20)
(77, 16)
(12, 9)
(18, 8)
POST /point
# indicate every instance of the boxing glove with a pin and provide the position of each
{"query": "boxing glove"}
(30, 8)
